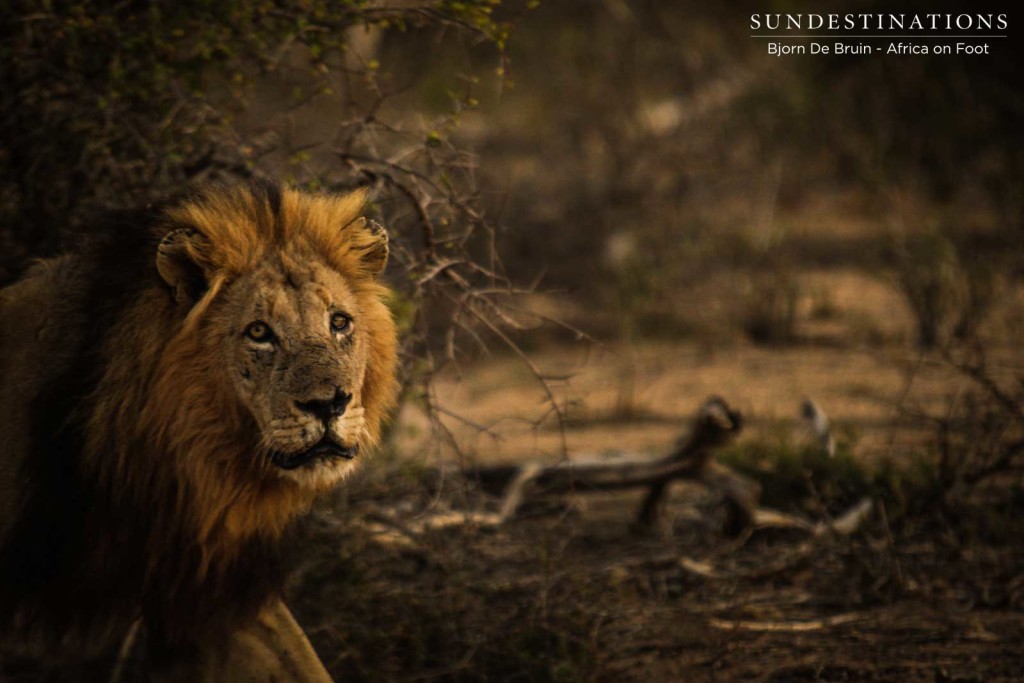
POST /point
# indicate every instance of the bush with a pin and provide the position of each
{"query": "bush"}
(802, 477)
(107, 105)
(112, 105)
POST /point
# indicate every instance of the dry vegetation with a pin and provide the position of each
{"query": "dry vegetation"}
(723, 225)
(926, 588)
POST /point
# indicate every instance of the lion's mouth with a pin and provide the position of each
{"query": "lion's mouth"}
(325, 449)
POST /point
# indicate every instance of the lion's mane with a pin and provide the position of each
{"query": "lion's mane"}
(135, 497)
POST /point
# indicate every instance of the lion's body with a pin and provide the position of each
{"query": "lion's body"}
(26, 309)
(153, 449)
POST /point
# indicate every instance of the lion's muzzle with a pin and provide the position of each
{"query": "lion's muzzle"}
(326, 411)
(325, 449)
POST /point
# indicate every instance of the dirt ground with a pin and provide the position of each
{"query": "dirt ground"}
(577, 595)
(639, 399)
(571, 591)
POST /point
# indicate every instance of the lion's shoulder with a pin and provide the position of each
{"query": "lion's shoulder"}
(37, 342)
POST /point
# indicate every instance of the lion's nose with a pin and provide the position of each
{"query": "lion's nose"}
(326, 409)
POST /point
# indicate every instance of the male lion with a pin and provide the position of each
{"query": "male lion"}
(173, 394)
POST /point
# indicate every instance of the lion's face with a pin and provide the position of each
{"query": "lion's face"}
(290, 349)
(297, 353)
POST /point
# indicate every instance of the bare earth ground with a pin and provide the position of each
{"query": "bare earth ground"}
(574, 593)
(578, 596)
(639, 399)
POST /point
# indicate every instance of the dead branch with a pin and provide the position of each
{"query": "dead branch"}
(387, 530)
(785, 626)
(714, 425)
(844, 525)
(517, 490)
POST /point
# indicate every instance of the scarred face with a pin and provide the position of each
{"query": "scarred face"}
(300, 355)
(305, 343)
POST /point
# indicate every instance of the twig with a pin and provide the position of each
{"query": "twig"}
(517, 490)
(786, 626)
(845, 525)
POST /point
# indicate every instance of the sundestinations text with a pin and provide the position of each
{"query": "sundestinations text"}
(879, 22)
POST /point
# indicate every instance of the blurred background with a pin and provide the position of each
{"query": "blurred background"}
(603, 213)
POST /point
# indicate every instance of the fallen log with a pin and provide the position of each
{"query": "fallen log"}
(715, 425)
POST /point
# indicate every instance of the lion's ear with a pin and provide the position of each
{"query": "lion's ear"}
(372, 245)
(179, 260)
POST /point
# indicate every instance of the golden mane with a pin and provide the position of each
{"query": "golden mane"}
(177, 433)
(243, 227)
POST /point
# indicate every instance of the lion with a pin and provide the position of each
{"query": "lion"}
(174, 394)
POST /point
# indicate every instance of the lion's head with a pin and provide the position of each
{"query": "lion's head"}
(271, 355)
(196, 374)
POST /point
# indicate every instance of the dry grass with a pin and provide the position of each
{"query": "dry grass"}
(923, 591)
(577, 596)
(867, 393)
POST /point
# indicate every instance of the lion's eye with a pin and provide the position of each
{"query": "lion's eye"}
(259, 332)
(340, 323)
